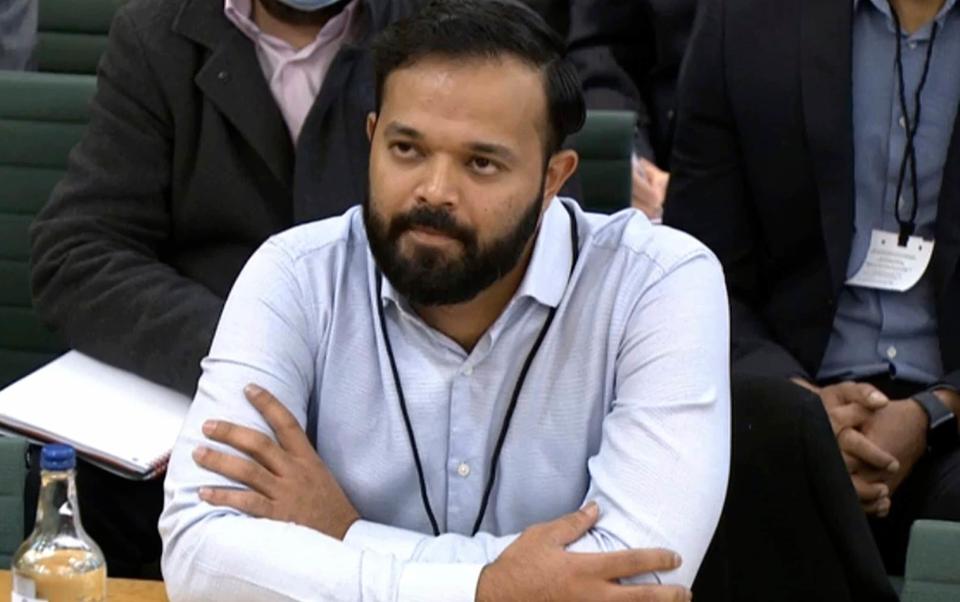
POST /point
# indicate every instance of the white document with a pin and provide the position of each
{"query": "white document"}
(890, 267)
(113, 418)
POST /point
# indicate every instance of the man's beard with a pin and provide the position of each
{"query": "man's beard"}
(429, 277)
(291, 16)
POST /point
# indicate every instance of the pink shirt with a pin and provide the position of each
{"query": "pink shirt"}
(295, 76)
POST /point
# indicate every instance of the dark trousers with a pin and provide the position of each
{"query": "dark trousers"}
(119, 514)
(791, 528)
(931, 490)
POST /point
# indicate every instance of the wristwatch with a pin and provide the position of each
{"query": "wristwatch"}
(942, 429)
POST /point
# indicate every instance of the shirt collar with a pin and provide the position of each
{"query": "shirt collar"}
(884, 7)
(552, 257)
(239, 12)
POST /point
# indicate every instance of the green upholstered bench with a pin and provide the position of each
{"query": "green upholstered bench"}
(605, 146)
(13, 471)
(42, 116)
(933, 563)
(72, 34)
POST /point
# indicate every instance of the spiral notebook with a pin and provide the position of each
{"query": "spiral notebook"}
(115, 419)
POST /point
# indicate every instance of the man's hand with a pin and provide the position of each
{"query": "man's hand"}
(901, 429)
(649, 187)
(849, 407)
(537, 567)
(287, 480)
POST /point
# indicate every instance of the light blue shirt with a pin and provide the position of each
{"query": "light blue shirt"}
(626, 403)
(876, 332)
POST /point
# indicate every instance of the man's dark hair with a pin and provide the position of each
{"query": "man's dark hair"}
(487, 29)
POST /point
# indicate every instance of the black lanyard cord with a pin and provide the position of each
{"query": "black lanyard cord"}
(424, 497)
(907, 226)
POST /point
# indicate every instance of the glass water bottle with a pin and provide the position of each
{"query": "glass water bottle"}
(59, 562)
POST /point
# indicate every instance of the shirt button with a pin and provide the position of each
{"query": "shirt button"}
(903, 122)
(467, 371)
(891, 352)
(463, 469)
(912, 45)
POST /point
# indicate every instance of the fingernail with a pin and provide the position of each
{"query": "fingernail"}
(592, 508)
(204, 493)
(252, 390)
(877, 396)
(199, 452)
(677, 560)
(209, 426)
(893, 466)
(884, 492)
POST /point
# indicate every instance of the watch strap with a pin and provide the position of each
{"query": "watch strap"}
(942, 423)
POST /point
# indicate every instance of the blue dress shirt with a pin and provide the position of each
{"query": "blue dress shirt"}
(626, 403)
(876, 332)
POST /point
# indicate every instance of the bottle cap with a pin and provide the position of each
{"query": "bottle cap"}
(57, 456)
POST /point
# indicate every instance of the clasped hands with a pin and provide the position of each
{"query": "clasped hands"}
(880, 440)
(285, 480)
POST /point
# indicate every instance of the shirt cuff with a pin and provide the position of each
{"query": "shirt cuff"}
(384, 539)
(424, 582)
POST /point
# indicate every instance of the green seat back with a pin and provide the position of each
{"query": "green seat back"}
(13, 472)
(605, 146)
(42, 116)
(933, 563)
(73, 34)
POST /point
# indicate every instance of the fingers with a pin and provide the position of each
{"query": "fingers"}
(569, 527)
(248, 502)
(852, 462)
(870, 492)
(654, 174)
(879, 508)
(864, 394)
(284, 424)
(252, 442)
(647, 593)
(628, 563)
(856, 444)
(851, 415)
(236, 469)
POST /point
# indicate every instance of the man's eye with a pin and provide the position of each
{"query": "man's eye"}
(484, 166)
(403, 149)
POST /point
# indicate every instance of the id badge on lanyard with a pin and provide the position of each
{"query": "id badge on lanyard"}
(897, 261)
(890, 266)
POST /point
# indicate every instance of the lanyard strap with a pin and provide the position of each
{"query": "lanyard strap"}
(424, 497)
(908, 225)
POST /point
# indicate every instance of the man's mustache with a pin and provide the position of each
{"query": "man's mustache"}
(435, 219)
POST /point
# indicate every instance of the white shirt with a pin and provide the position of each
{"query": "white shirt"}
(626, 403)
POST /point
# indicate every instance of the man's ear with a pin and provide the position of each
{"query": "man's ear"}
(559, 169)
(371, 125)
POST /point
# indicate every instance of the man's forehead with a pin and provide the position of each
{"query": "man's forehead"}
(503, 92)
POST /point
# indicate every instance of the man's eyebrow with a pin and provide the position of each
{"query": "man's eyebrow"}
(398, 129)
(492, 149)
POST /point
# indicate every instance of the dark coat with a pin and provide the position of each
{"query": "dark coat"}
(628, 53)
(187, 167)
(763, 174)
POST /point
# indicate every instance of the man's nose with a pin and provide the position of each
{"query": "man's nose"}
(440, 182)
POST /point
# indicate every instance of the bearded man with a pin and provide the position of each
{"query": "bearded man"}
(215, 125)
(467, 388)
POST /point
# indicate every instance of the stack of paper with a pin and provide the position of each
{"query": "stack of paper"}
(115, 419)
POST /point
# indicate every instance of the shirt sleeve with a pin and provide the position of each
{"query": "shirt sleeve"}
(218, 553)
(660, 476)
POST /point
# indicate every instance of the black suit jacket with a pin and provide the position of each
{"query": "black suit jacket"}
(628, 54)
(186, 168)
(763, 174)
